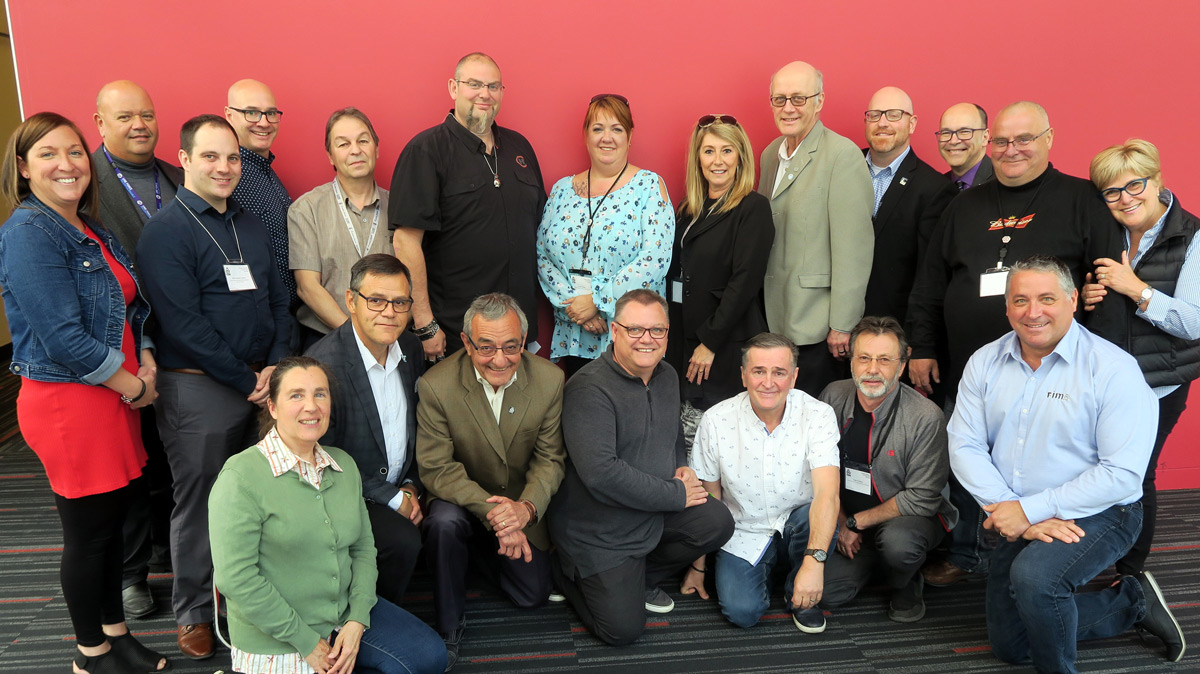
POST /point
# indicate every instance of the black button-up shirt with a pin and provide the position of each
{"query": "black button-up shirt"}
(478, 238)
(261, 192)
(201, 323)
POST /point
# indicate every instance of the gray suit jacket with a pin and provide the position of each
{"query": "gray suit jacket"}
(354, 423)
(117, 211)
(821, 259)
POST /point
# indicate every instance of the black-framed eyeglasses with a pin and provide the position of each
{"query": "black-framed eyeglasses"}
(1133, 188)
(378, 304)
(636, 331)
(893, 115)
(476, 85)
(1020, 142)
(798, 100)
(708, 120)
(884, 361)
(488, 350)
(252, 116)
(600, 97)
(965, 133)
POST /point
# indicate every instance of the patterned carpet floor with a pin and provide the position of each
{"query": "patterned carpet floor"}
(35, 633)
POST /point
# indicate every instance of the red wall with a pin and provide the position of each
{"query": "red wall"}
(1105, 71)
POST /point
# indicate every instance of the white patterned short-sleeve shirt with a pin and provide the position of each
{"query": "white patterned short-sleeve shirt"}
(764, 476)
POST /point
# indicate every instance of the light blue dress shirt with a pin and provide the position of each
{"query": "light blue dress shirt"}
(881, 178)
(1067, 440)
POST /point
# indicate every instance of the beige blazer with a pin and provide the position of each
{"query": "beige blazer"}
(465, 457)
(821, 260)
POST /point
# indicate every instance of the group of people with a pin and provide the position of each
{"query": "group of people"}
(727, 395)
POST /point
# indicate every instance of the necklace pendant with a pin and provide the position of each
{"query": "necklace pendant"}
(496, 181)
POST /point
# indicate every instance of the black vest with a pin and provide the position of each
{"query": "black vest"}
(1165, 360)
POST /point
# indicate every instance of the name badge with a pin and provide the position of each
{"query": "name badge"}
(677, 291)
(581, 284)
(992, 281)
(858, 481)
(239, 278)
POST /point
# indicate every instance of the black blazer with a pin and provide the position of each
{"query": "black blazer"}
(117, 211)
(721, 263)
(354, 424)
(904, 224)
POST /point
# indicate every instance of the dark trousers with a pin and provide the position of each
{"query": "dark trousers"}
(817, 368)
(1034, 610)
(93, 549)
(612, 603)
(896, 547)
(148, 524)
(453, 537)
(397, 548)
(202, 423)
(1170, 407)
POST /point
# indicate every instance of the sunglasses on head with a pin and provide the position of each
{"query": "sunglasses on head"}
(600, 97)
(708, 120)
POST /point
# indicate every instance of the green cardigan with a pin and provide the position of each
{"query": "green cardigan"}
(293, 563)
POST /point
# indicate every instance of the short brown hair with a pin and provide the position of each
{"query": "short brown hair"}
(770, 340)
(187, 132)
(641, 296)
(14, 187)
(878, 326)
(614, 106)
(338, 115)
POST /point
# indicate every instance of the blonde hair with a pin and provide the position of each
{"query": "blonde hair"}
(697, 186)
(1136, 156)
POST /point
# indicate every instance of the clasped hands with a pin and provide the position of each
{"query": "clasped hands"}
(582, 310)
(339, 658)
(508, 520)
(1008, 519)
(696, 493)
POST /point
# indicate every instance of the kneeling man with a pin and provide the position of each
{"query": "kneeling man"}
(771, 455)
(631, 513)
(1051, 433)
(894, 471)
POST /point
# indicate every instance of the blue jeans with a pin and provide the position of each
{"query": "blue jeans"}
(970, 546)
(1033, 611)
(399, 643)
(743, 588)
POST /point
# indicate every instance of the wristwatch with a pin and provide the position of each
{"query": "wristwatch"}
(1146, 295)
(817, 554)
(852, 525)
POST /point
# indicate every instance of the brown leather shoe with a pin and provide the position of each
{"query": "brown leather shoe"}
(196, 641)
(943, 574)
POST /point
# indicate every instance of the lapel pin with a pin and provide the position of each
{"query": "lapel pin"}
(511, 410)
(904, 181)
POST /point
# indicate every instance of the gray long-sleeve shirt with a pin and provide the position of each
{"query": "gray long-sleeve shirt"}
(623, 445)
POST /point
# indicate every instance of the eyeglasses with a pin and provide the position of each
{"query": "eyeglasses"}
(599, 97)
(884, 361)
(252, 116)
(893, 115)
(636, 331)
(487, 350)
(797, 100)
(1020, 142)
(1133, 188)
(476, 85)
(965, 133)
(378, 304)
(708, 120)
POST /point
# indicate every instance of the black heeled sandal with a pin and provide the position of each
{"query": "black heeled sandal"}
(136, 655)
(105, 663)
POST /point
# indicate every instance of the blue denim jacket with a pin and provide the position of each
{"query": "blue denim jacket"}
(65, 309)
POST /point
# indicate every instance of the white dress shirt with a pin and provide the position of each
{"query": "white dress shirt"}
(390, 402)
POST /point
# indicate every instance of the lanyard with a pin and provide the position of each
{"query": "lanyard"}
(341, 202)
(587, 236)
(129, 188)
(232, 224)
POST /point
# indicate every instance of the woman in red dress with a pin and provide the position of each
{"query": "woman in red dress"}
(76, 320)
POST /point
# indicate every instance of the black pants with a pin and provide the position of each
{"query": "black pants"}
(397, 547)
(147, 529)
(612, 603)
(92, 558)
(1170, 408)
(896, 548)
(453, 537)
(817, 368)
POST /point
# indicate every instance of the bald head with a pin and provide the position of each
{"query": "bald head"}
(797, 80)
(251, 97)
(474, 57)
(1021, 123)
(126, 121)
(963, 155)
(889, 138)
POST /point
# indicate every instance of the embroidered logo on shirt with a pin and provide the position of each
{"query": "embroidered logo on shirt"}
(1058, 396)
(1011, 221)
(521, 161)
